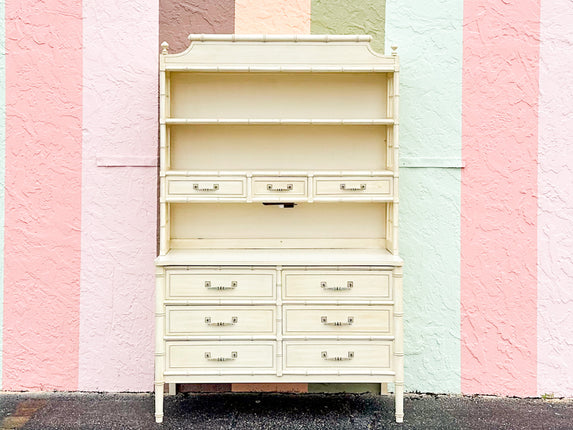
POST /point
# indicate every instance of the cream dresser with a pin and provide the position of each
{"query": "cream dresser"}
(278, 213)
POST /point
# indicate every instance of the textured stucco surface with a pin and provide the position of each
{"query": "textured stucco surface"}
(350, 17)
(2, 170)
(499, 197)
(429, 39)
(42, 204)
(555, 206)
(272, 16)
(179, 18)
(118, 203)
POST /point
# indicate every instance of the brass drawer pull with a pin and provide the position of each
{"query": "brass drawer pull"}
(325, 356)
(215, 187)
(234, 320)
(221, 287)
(325, 321)
(348, 286)
(271, 187)
(343, 187)
(233, 356)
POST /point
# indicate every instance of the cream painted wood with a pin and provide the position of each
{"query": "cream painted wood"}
(352, 186)
(278, 249)
(337, 320)
(206, 187)
(221, 284)
(338, 354)
(282, 187)
(329, 285)
(220, 355)
(220, 320)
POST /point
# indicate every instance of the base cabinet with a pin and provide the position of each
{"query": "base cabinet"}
(278, 234)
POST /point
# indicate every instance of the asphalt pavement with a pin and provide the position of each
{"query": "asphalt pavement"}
(67, 411)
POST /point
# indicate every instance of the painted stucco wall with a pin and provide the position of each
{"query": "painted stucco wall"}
(484, 84)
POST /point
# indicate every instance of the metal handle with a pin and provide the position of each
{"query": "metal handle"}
(221, 287)
(343, 187)
(215, 187)
(271, 187)
(233, 356)
(234, 320)
(325, 321)
(349, 286)
(325, 356)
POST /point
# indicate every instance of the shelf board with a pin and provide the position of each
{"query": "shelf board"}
(276, 121)
(273, 257)
(305, 173)
(279, 69)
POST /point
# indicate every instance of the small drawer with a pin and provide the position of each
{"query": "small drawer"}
(338, 320)
(368, 355)
(279, 186)
(222, 355)
(337, 285)
(220, 320)
(206, 187)
(220, 284)
(353, 186)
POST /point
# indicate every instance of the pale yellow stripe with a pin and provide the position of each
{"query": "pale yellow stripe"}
(272, 16)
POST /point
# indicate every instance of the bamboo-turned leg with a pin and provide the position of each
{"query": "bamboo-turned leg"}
(159, 402)
(399, 394)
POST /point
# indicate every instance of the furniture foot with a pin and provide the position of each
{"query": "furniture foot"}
(399, 393)
(159, 402)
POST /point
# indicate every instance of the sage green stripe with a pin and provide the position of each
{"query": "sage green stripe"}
(429, 38)
(2, 170)
(349, 17)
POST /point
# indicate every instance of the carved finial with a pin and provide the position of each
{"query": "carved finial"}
(394, 49)
(164, 48)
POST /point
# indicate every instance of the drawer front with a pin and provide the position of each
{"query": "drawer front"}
(337, 285)
(279, 186)
(222, 355)
(220, 320)
(220, 284)
(338, 354)
(206, 187)
(338, 320)
(334, 186)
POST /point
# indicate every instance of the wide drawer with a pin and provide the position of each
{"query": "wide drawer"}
(337, 285)
(223, 355)
(338, 354)
(351, 186)
(220, 320)
(279, 187)
(206, 187)
(338, 320)
(220, 284)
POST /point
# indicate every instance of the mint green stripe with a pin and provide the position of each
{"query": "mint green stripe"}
(2, 173)
(349, 17)
(429, 38)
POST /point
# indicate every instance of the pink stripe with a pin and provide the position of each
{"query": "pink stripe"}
(119, 203)
(499, 190)
(555, 311)
(272, 17)
(43, 183)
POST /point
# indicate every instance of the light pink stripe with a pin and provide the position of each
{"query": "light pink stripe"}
(499, 197)
(118, 203)
(272, 17)
(555, 210)
(43, 184)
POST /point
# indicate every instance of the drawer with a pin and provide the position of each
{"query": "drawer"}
(352, 186)
(206, 187)
(368, 355)
(220, 284)
(338, 320)
(337, 285)
(279, 186)
(220, 320)
(222, 355)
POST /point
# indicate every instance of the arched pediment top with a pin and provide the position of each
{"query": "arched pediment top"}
(284, 52)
